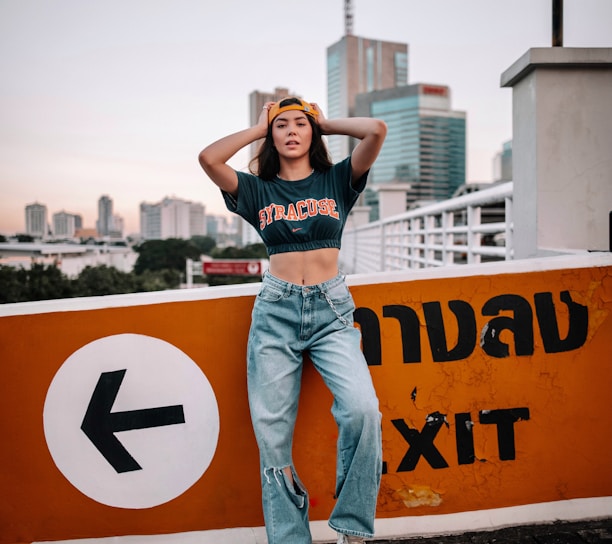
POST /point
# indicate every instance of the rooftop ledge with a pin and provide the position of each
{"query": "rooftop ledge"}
(556, 57)
(579, 259)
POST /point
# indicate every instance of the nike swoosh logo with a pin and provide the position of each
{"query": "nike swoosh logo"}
(295, 230)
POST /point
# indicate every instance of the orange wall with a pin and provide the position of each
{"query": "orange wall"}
(503, 430)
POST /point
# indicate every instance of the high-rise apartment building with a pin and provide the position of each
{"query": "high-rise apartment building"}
(36, 220)
(150, 221)
(360, 65)
(197, 219)
(66, 224)
(117, 226)
(104, 223)
(226, 230)
(172, 218)
(425, 146)
(108, 224)
(502, 163)
(175, 218)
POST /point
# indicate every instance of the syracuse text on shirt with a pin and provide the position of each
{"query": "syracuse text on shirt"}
(298, 211)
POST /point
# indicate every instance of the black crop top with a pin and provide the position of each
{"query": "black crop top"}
(298, 215)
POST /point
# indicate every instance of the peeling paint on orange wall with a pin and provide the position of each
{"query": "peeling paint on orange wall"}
(494, 391)
(509, 404)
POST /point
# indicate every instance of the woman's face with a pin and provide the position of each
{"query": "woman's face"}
(292, 134)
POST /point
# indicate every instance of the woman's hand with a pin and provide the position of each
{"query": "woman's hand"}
(214, 157)
(263, 117)
(370, 131)
(320, 118)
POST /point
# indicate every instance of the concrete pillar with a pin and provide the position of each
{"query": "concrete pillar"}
(392, 199)
(561, 149)
(359, 216)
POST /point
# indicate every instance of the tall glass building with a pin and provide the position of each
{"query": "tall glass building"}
(360, 65)
(425, 146)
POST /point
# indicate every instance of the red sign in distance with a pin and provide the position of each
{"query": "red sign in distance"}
(232, 268)
(435, 89)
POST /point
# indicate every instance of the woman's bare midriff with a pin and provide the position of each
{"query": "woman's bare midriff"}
(305, 267)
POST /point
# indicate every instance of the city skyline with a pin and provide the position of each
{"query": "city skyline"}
(44, 223)
(90, 107)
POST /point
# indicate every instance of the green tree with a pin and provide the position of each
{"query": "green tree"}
(2, 238)
(40, 282)
(12, 287)
(107, 280)
(168, 254)
(252, 251)
(158, 280)
(205, 244)
(104, 280)
(48, 282)
(231, 280)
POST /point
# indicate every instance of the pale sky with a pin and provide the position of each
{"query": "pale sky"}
(118, 97)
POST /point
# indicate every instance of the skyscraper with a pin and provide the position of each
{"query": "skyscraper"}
(36, 220)
(104, 223)
(425, 144)
(359, 65)
(108, 224)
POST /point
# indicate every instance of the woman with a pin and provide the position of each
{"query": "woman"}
(298, 201)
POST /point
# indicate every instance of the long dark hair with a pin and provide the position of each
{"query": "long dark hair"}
(266, 164)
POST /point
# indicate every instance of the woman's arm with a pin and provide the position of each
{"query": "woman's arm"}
(213, 158)
(370, 131)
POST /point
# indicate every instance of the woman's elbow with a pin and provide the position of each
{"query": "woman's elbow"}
(380, 128)
(204, 159)
(377, 132)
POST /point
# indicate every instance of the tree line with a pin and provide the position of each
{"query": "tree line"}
(160, 265)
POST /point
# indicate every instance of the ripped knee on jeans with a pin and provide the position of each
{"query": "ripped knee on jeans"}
(286, 478)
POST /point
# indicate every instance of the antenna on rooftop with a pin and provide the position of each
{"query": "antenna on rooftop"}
(348, 17)
(557, 23)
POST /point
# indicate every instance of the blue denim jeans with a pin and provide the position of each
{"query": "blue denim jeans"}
(287, 321)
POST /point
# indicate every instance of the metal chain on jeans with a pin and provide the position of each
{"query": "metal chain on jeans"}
(331, 305)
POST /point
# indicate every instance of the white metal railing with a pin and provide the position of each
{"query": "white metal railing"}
(471, 228)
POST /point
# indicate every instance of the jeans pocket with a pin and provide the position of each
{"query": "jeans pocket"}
(339, 294)
(270, 293)
(340, 301)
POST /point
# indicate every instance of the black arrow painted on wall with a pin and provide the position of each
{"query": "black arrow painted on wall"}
(100, 424)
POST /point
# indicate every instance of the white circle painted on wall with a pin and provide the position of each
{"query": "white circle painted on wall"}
(131, 421)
